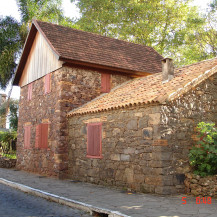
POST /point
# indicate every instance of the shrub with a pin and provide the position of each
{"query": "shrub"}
(8, 141)
(203, 156)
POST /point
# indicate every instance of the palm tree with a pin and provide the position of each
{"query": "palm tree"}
(14, 33)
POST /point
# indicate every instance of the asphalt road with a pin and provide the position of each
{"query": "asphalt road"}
(14, 203)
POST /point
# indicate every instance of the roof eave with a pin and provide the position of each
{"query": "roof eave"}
(104, 67)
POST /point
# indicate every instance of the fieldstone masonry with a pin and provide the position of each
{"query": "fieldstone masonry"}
(201, 186)
(145, 148)
(70, 88)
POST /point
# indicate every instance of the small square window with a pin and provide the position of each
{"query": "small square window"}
(105, 83)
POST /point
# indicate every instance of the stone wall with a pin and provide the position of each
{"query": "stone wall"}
(179, 121)
(70, 88)
(7, 163)
(144, 148)
(201, 186)
(134, 155)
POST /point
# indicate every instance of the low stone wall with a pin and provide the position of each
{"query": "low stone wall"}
(7, 163)
(201, 186)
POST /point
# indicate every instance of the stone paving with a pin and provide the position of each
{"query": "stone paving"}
(135, 205)
(18, 204)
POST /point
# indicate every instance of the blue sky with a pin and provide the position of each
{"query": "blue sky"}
(9, 7)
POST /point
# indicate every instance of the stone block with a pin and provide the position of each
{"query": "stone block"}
(129, 150)
(162, 156)
(147, 133)
(143, 122)
(132, 125)
(116, 131)
(115, 157)
(153, 180)
(154, 119)
(125, 157)
(129, 175)
(138, 114)
(139, 178)
(160, 142)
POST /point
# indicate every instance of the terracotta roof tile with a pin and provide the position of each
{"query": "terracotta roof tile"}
(150, 89)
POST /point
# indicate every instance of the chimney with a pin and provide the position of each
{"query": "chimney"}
(167, 70)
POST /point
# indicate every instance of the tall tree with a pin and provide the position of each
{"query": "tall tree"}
(167, 25)
(44, 10)
(13, 33)
(11, 41)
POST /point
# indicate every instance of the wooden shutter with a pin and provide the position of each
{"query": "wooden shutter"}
(44, 135)
(105, 83)
(47, 84)
(27, 136)
(41, 136)
(94, 137)
(90, 141)
(29, 91)
(38, 136)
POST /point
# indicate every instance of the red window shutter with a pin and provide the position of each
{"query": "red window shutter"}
(97, 139)
(27, 136)
(94, 140)
(38, 136)
(105, 83)
(30, 91)
(47, 84)
(90, 140)
(44, 135)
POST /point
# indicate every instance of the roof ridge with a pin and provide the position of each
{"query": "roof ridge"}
(195, 63)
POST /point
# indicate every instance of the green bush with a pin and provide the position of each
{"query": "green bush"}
(203, 156)
(8, 141)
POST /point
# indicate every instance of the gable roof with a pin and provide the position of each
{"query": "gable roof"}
(89, 49)
(150, 89)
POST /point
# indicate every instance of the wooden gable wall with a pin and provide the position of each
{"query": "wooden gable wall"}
(41, 61)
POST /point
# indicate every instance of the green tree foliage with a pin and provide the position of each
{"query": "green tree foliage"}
(203, 156)
(44, 10)
(7, 141)
(13, 113)
(13, 33)
(10, 44)
(172, 27)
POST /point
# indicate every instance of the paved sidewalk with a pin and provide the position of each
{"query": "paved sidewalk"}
(137, 205)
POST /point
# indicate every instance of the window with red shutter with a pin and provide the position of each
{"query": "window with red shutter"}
(94, 140)
(105, 83)
(29, 91)
(41, 136)
(47, 84)
(27, 136)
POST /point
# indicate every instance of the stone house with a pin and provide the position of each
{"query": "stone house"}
(105, 111)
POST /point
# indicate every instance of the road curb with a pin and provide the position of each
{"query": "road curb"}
(62, 200)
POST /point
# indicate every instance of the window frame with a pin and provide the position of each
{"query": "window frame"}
(89, 125)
